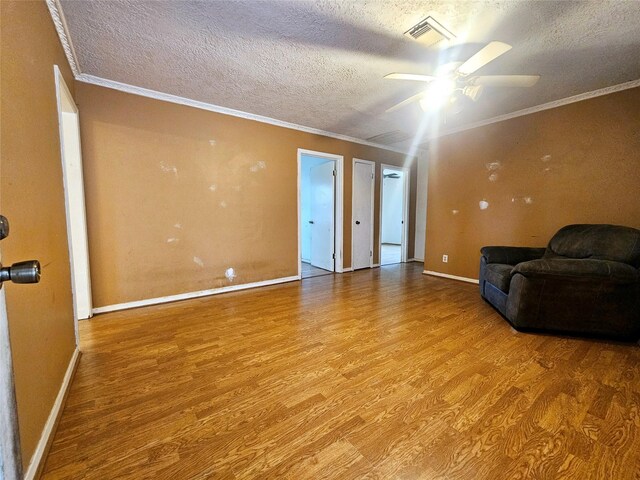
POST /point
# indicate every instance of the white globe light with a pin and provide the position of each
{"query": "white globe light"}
(437, 93)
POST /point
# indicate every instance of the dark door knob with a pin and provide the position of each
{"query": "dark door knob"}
(21, 272)
(310, 221)
(357, 222)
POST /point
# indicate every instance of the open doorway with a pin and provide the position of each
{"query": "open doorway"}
(71, 155)
(320, 213)
(394, 200)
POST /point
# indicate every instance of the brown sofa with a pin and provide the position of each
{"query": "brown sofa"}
(586, 281)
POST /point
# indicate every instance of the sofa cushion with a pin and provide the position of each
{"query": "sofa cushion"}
(602, 242)
(511, 255)
(499, 275)
(588, 269)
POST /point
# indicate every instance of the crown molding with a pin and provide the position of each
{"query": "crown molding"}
(167, 97)
(59, 21)
(63, 33)
(545, 106)
(60, 24)
(57, 15)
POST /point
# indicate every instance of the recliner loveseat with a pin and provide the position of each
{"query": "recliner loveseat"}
(586, 281)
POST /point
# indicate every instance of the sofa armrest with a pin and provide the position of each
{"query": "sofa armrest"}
(511, 255)
(579, 269)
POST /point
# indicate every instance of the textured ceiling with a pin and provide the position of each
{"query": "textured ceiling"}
(321, 64)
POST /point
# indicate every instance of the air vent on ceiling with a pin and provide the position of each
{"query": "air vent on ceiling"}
(390, 138)
(429, 32)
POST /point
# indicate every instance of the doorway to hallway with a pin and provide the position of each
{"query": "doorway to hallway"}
(320, 213)
(394, 201)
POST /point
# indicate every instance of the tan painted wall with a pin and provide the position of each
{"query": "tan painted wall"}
(40, 316)
(176, 195)
(579, 163)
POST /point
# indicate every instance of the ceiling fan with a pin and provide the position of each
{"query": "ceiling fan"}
(449, 88)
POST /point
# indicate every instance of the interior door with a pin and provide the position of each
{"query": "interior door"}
(322, 215)
(74, 189)
(74, 201)
(21, 272)
(362, 228)
(10, 462)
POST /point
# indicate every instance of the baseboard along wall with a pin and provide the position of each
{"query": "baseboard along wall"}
(42, 449)
(189, 295)
(452, 277)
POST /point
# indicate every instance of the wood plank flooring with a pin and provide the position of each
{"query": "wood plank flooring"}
(307, 271)
(382, 373)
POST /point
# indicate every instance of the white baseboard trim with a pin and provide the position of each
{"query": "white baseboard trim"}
(375, 265)
(346, 270)
(40, 455)
(452, 277)
(421, 260)
(189, 295)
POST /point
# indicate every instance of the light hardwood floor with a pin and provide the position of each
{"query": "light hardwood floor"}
(307, 271)
(382, 373)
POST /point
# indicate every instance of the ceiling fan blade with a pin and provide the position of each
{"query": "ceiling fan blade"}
(505, 80)
(489, 53)
(411, 99)
(410, 76)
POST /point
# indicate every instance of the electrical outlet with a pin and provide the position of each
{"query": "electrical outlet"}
(445, 258)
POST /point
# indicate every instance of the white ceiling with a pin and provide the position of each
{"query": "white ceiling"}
(321, 64)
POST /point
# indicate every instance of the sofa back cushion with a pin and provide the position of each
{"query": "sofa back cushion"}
(602, 242)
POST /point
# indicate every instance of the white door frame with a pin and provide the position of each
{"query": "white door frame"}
(373, 189)
(421, 206)
(10, 460)
(339, 207)
(76, 226)
(405, 210)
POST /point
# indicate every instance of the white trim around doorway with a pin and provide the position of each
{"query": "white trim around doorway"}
(74, 199)
(405, 210)
(339, 207)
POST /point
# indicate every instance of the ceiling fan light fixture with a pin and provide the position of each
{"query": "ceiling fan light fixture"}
(453, 81)
(437, 94)
(473, 91)
(456, 103)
